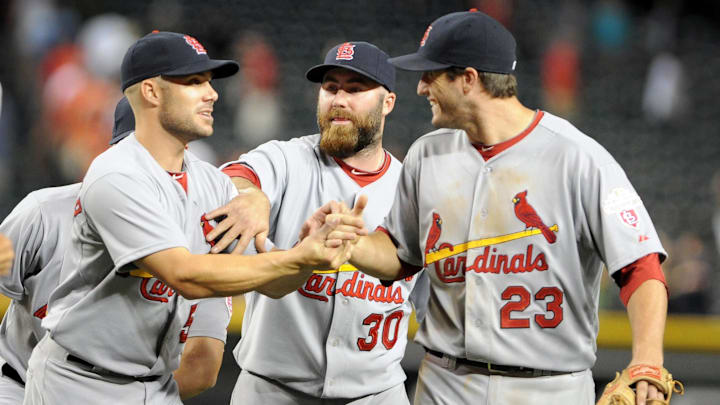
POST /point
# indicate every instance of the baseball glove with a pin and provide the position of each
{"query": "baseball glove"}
(621, 390)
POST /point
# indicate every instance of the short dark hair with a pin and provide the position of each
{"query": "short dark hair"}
(498, 85)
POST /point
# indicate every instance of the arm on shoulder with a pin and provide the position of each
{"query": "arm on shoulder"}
(246, 216)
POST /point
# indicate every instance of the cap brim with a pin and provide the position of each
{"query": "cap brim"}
(219, 68)
(416, 62)
(316, 73)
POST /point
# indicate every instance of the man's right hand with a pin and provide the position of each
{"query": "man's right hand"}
(317, 219)
(350, 216)
(246, 216)
(328, 236)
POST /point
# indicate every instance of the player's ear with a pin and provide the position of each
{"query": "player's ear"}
(470, 78)
(150, 91)
(388, 102)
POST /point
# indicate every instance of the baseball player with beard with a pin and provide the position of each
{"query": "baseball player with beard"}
(340, 336)
(40, 226)
(136, 262)
(513, 212)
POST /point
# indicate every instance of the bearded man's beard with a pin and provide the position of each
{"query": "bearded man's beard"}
(343, 141)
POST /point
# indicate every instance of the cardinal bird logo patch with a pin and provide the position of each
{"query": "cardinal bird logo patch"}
(433, 233)
(345, 51)
(527, 214)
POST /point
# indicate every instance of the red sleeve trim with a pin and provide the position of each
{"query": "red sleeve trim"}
(385, 231)
(630, 277)
(240, 170)
(406, 270)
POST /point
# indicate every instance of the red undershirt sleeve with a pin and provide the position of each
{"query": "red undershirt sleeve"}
(630, 277)
(240, 170)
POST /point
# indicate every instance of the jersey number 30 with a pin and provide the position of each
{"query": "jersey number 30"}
(552, 296)
(367, 344)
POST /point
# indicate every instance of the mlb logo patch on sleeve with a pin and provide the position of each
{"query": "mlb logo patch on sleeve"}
(623, 203)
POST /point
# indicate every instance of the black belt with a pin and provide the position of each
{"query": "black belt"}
(9, 372)
(82, 362)
(496, 369)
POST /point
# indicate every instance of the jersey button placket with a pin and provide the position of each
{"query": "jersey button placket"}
(484, 212)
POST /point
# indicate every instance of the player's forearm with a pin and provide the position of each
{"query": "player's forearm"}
(202, 276)
(243, 184)
(225, 275)
(199, 366)
(7, 255)
(283, 286)
(647, 311)
(376, 255)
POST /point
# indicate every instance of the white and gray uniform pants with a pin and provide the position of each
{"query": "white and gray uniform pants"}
(442, 383)
(12, 391)
(252, 389)
(54, 380)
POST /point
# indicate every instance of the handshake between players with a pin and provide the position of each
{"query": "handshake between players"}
(328, 236)
(340, 227)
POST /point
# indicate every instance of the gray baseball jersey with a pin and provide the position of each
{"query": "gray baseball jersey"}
(39, 227)
(342, 334)
(514, 245)
(211, 318)
(105, 311)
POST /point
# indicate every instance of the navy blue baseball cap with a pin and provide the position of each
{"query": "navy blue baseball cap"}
(124, 121)
(361, 57)
(463, 39)
(170, 54)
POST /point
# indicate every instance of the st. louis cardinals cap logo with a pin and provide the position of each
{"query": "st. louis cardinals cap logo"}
(196, 45)
(345, 51)
(425, 36)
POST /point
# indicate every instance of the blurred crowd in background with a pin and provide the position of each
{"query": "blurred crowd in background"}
(638, 76)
